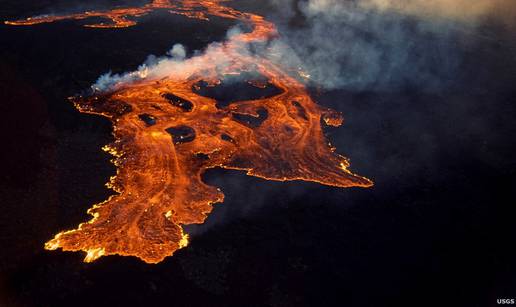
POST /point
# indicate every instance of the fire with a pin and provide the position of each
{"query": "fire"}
(167, 134)
(93, 254)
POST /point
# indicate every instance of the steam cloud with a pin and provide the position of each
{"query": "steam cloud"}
(385, 45)
(174, 64)
(465, 10)
(382, 45)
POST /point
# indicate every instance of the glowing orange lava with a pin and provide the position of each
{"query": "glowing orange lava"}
(167, 135)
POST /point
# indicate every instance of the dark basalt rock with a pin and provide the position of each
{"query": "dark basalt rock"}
(148, 119)
(179, 102)
(251, 120)
(181, 134)
(300, 110)
(236, 88)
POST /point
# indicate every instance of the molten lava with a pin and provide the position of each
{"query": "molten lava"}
(168, 133)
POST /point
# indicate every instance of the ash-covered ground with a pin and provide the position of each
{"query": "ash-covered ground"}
(432, 125)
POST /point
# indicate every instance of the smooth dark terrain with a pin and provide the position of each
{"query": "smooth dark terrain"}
(437, 229)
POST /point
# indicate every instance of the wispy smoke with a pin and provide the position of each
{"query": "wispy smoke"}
(384, 45)
(152, 67)
(175, 64)
(464, 10)
(357, 45)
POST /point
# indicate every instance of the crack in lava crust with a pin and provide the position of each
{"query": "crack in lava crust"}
(167, 135)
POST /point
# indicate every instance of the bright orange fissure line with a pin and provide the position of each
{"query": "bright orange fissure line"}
(167, 135)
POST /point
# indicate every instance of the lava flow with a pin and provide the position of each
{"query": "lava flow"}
(169, 130)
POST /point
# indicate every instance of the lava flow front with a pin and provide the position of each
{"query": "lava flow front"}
(169, 130)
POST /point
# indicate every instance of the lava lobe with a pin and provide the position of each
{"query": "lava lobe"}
(250, 116)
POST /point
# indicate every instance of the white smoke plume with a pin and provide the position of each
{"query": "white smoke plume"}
(384, 45)
(174, 64)
(152, 67)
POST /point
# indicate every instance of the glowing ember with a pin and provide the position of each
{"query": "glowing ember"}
(167, 135)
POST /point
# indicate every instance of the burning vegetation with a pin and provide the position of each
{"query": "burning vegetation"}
(169, 130)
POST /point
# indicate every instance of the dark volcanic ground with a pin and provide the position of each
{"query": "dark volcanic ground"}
(437, 229)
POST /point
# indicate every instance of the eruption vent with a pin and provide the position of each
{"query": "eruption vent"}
(169, 129)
